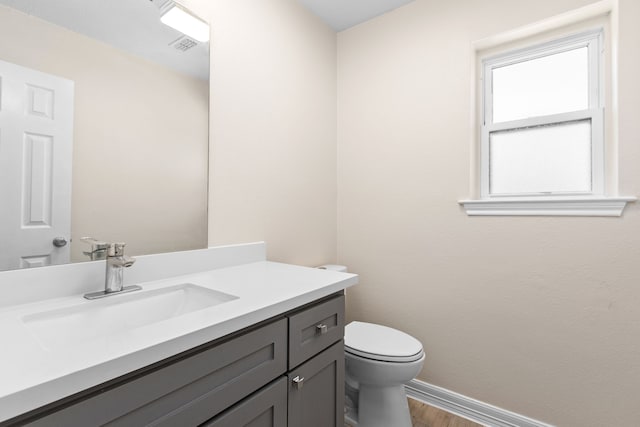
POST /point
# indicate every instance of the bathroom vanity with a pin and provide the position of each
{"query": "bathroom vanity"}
(270, 354)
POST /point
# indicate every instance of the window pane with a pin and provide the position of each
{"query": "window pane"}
(543, 159)
(551, 84)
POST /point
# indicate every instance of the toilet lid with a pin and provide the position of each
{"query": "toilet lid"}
(381, 343)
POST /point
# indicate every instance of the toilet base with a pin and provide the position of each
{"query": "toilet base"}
(380, 407)
(351, 417)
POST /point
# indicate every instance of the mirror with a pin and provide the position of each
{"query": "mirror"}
(103, 130)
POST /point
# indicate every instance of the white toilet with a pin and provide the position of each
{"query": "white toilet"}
(379, 361)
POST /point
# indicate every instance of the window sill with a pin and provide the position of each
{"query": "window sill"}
(569, 206)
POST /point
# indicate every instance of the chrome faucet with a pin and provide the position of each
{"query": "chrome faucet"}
(117, 261)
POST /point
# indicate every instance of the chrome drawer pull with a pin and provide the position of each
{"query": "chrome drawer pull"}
(321, 329)
(298, 382)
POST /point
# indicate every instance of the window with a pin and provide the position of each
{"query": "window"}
(542, 130)
(541, 134)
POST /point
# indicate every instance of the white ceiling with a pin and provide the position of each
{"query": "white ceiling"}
(130, 25)
(134, 25)
(343, 14)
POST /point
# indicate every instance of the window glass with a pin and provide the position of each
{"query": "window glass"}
(542, 159)
(551, 84)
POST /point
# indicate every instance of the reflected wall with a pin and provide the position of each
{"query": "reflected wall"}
(140, 139)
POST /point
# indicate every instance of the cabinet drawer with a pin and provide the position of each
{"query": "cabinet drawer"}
(314, 329)
(189, 391)
(266, 408)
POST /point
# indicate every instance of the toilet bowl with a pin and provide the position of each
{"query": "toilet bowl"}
(378, 362)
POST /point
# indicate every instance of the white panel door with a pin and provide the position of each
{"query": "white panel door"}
(36, 148)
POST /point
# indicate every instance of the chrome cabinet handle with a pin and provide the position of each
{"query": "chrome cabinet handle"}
(298, 382)
(59, 242)
(321, 329)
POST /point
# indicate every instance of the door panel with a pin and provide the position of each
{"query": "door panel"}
(36, 148)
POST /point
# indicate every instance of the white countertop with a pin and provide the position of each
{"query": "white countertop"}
(32, 376)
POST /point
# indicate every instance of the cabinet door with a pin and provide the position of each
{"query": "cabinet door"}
(316, 390)
(266, 408)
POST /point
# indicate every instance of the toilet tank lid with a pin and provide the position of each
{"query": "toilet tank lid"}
(380, 340)
(333, 267)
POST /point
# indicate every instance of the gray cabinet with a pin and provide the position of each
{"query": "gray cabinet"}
(316, 365)
(286, 371)
(316, 399)
(187, 392)
(315, 328)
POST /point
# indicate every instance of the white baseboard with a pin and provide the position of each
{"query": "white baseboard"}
(466, 407)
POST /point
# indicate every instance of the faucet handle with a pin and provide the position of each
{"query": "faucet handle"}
(95, 244)
(98, 248)
(117, 249)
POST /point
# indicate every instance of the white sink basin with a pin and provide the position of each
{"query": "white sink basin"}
(104, 318)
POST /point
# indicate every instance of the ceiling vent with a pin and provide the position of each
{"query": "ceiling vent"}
(183, 43)
(160, 3)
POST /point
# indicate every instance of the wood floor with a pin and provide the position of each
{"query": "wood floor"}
(423, 415)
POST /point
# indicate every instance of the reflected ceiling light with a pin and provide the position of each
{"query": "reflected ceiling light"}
(179, 18)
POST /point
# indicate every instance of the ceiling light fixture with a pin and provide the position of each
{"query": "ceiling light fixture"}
(179, 18)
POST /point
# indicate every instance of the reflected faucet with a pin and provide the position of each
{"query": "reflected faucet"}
(98, 248)
(117, 261)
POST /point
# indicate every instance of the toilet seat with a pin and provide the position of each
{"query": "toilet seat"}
(381, 343)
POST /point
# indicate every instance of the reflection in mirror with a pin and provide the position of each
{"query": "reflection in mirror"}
(103, 130)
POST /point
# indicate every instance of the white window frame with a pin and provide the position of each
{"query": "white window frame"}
(608, 202)
(593, 41)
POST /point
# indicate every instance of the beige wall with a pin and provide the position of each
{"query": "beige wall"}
(536, 315)
(540, 316)
(273, 128)
(140, 139)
